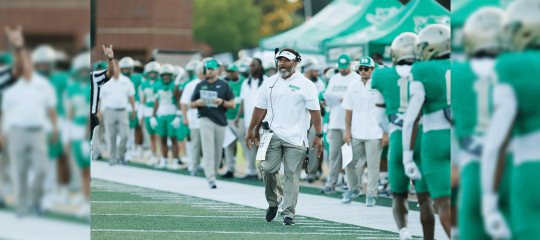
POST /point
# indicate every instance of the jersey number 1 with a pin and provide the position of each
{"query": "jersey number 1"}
(403, 84)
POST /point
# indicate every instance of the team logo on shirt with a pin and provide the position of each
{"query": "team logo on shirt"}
(294, 88)
(204, 87)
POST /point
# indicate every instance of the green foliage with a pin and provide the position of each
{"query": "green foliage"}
(227, 26)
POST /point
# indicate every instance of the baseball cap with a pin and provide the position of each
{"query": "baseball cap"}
(213, 64)
(367, 62)
(343, 61)
(287, 54)
(232, 67)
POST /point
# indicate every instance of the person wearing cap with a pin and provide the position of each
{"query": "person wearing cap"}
(270, 68)
(286, 101)
(337, 87)
(234, 80)
(363, 133)
(212, 97)
(250, 87)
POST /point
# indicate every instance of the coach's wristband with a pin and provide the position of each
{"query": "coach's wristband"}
(110, 59)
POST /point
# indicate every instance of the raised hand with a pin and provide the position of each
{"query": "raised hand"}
(15, 36)
(108, 52)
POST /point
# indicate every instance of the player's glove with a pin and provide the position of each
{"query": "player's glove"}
(153, 122)
(176, 122)
(494, 222)
(411, 170)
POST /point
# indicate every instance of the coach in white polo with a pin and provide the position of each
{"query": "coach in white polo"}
(363, 132)
(115, 96)
(286, 101)
(337, 86)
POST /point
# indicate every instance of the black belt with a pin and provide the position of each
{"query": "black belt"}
(117, 109)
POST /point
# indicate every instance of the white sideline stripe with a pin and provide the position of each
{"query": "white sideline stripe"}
(242, 211)
(31, 227)
(149, 215)
(309, 205)
(280, 233)
(334, 227)
(178, 202)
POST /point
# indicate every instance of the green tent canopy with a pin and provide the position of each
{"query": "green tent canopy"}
(377, 38)
(339, 18)
(461, 10)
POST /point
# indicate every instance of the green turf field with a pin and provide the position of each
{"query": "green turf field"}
(122, 211)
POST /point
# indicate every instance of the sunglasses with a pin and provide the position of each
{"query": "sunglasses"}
(364, 69)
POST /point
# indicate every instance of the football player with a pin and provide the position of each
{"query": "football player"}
(166, 116)
(429, 91)
(151, 72)
(393, 84)
(515, 118)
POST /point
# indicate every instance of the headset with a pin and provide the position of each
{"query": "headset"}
(296, 59)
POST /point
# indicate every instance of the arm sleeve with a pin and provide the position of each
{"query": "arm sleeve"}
(500, 125)
(243, 90)
(186, 95)
(379, 98)
(348, 99)
(418, 95)
(51, 99)
(196, 93)
(261, 101)
(310, 96)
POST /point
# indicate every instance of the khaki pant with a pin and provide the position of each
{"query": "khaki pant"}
(292, 157)
(212, 136)
(371, 149)
(335, 141)
(97, 137)
(240, 133)
(195, 135)
(313, 165)
(4, 171)
(27, 150)
(116, 123)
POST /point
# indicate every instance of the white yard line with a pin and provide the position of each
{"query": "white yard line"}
(321, 207)
(224, 232)
(180, 216)
(31, 227)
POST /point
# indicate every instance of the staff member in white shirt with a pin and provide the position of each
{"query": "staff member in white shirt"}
(192, 119)
(248, 94)
(26, 105)
(285, 100)
(336, 125)
(114, 96)
(363, 132)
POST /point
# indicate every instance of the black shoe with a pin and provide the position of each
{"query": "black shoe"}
(310, 180)
(288, 221)
(212, 184)
(271, 213)
(250, 177)
(98, 157)
(228, 175)
(121, 161)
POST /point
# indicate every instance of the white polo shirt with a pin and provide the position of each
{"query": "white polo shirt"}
(287, 103)
(115, 93)
(360, 99)
(337, 87)
(248, 95)
(192, 113)
(25, 104)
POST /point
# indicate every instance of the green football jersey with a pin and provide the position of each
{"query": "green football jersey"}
(326, 113)
(136, 79)
(148, 92)
(164, 93)
(236, 87)
(394, 89)
(521, 72)
(78, 95)
(183, 84)
(60, 80)
(471, 104)
(435, 76)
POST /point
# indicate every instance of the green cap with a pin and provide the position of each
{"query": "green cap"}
(6, 58)
(367, 62)
(232, 67)
(343, 61)
(213, 64)
(100, 64)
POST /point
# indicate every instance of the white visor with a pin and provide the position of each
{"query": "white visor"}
(286, 54)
